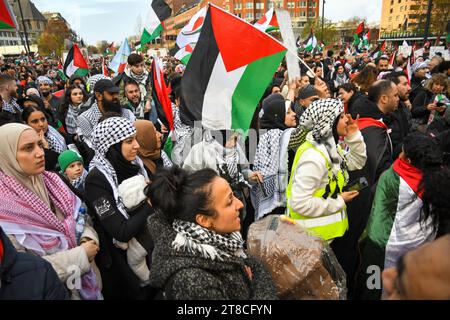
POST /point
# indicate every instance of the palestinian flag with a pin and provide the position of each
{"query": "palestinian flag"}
(358, 34)
(75, 63)
(160, 94)
(408, 70)
(394, 224)
(365, 41)
(311, 42)
(7, 17)
(104, 68)
(392, 60)
(191, 31)
(268, 22)
(159, 11)
(184, 54)
(379, 50)
(110, 50)
(228, 72)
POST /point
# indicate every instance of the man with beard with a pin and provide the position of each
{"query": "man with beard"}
(8, 92)
(106, 100)
(134, 102)
(45, 89)
(401, 118)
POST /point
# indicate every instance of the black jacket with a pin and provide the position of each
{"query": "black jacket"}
(419, 110)
(400, 125)
(190, 276)
(357, 103)
(119, 281)
(27, 277)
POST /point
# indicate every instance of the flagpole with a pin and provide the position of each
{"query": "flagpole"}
(27, 48)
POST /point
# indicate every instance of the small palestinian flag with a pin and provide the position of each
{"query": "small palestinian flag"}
(228, 72)
(184, 54)
(311, 42)
(379, 50)
(159, 11)
(358, 34)
(75, 63)
(7, 17)
(268, 22)
(190, 32)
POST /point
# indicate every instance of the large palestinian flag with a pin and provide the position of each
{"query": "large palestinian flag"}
(7, 18)
(75, 63)
(191, 31)
(159, 11)
(231, 66)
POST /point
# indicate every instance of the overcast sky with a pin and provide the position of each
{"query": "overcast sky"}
(113, 20)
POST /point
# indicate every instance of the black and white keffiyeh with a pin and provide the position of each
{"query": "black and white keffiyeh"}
(71, 119)
(12, 106)
(192, 238)
(319, 118)
(94, 79)
(106, 134)
(55, 140)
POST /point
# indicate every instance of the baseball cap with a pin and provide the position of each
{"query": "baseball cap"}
(307, 92)
(106, 85)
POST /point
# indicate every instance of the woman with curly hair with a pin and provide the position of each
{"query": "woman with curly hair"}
(365, 78)
(409, 209)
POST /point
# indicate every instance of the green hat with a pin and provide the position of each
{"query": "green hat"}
(68, 157)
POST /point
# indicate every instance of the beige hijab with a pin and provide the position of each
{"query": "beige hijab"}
(9, 137)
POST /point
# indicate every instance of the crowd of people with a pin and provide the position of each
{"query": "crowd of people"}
(94, 205)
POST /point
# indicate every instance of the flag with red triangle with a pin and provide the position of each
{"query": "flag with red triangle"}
(7, 17)
(228, 72)
(191, 31)
(184, 54)
(379, 50)
(268, 22)
(75, 63)
(161, 94)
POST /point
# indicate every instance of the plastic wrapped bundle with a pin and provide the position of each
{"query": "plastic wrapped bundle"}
(302, 265)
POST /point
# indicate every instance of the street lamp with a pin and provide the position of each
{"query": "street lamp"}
(323, 16)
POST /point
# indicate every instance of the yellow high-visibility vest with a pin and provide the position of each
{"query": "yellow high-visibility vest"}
(329, 226)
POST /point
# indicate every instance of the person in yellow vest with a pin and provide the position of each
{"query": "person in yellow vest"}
(315, 196)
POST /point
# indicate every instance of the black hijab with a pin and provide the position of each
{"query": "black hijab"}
(274, 112)
(124, 169)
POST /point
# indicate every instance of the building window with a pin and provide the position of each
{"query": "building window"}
(311, 14)
(302, 4)
(259, 5)
(290, 5)
(249, 15)
(399, 1)
(249, 5)
(392, 2)
(301, 24)
(303, 14)
(390, 11)
(258, 15)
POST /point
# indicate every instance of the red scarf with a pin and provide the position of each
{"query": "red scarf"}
(410, 174)
(369, 122)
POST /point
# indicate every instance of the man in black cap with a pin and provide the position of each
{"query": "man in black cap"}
(106, 100)
(307, 95)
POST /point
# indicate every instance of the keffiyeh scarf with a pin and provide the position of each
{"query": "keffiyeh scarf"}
(193, 238)
(55, 140)
(105, 135)
(71, 119)
(319, 119)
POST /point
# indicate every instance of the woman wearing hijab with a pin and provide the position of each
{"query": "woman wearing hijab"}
(315, 195)
(118, 223)
(274, 155)
(40, 214)
(150, 147)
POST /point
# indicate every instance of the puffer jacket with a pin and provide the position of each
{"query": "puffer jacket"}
(27, 277)
(190, 276)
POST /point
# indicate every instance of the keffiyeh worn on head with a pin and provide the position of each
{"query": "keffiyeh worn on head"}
(107, 134)
(44, 79)
(192, 238)
(94, 79)
(319, 118)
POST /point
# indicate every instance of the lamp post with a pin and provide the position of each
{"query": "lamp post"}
(323, 17)
(24, 28)
(427, 23)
